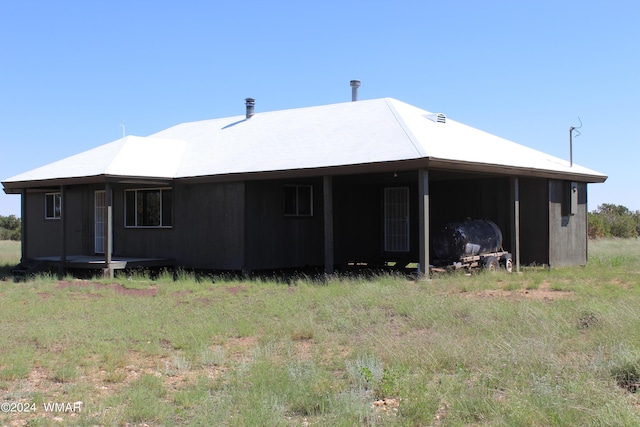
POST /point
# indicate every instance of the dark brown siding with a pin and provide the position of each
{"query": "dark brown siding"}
(357, 207)
(358, 204)
(276, 241)
(359, 218)
(88, 218)
(478, 198)
(534, 221)
(73, 214)
(207, 232)
(567, 233)
(209, 225)
(44, 235)
(242, 225)
(138, 242)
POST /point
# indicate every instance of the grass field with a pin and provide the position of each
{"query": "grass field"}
(541, 348)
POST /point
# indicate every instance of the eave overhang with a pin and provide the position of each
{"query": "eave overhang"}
(434, 164)
(379, 167)
(516, 171)
(16, 187)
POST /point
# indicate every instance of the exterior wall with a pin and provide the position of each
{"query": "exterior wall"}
(44, 235)
(274, 240)
(73, 213)
(242, 226)
(358, 210)
(207, 232)
(534, 221)
(88, 218)
(567, 233)
(461, 199)
(132, 242)
(209, 225)
(358, 218)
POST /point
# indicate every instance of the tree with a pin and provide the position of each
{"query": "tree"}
(610, 220)
(10, 227)
(597, 227)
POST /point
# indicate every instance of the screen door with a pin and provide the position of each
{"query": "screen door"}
(100, 215)
(396, 219)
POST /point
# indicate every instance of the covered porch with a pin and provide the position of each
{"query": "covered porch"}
(99, 262)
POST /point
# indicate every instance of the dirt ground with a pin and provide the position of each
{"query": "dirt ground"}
(543, 292)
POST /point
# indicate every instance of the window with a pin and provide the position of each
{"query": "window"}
(52, 205)
(298, 200)
(149, 208)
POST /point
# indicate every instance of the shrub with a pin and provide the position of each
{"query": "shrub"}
(366, 371)
(610, 220)
(597, 227)
(10, 227)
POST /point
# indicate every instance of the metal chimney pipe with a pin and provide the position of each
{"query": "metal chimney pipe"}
(355, 84)
(250, 103)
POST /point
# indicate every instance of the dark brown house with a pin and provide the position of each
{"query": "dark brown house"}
(358, 182)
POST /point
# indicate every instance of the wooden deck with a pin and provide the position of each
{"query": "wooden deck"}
(99, 263)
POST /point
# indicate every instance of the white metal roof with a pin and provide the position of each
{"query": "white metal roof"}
(352, 133)
(130, 156)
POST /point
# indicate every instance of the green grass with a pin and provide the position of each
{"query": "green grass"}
(540, 348)
(9, 256)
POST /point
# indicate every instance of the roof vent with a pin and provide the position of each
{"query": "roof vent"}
(438, 118)
(355, 84)
(250, 103)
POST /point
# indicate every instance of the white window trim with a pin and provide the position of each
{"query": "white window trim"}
(57, 213)
(161, 189)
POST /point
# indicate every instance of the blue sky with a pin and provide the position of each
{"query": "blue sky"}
(72, 73)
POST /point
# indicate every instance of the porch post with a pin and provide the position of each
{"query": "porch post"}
(423, 222)
(108, 272)
(23, 226)
(515, 223)
(327, 193)
(63, 230)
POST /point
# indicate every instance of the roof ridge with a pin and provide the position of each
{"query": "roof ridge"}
(404, 126)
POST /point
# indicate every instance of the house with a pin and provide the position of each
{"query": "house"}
(325, 186)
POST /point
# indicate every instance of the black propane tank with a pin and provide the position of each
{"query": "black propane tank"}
(461, 239)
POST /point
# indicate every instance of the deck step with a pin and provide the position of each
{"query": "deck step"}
(23, 270)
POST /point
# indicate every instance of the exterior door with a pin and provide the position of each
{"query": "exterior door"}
(396, 219)
(100, 215)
